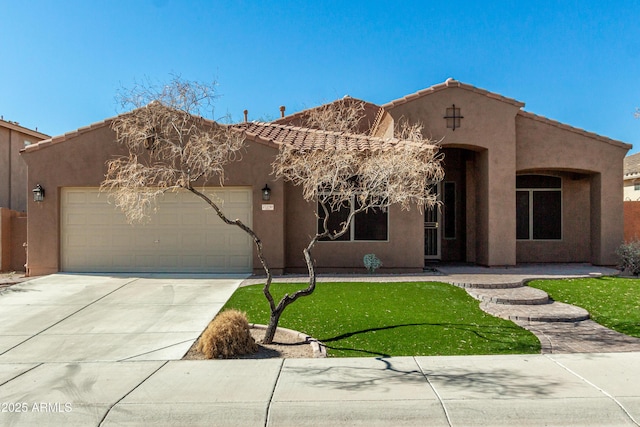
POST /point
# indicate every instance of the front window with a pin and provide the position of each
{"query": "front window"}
(538, 207)
(370, 225)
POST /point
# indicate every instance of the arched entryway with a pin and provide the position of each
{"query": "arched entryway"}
(450, 230)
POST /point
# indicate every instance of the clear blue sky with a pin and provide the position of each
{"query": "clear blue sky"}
(573, 61)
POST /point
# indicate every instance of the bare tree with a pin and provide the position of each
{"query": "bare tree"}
(344, 115)
(381, 173)
(171, 146)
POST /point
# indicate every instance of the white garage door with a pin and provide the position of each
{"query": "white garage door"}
(184, 235)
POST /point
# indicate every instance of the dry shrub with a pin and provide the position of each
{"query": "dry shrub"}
(227, 336)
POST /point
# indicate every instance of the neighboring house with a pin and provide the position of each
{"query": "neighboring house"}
(13, 193)
(632, 197)
(632, 178)
(13, 170)
(518, 188)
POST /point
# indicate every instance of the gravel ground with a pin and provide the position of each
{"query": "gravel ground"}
(286, 344)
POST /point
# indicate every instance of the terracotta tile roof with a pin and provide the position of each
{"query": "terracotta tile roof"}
(632, 165)
(275, 134)
(449, 83)
(370, 124)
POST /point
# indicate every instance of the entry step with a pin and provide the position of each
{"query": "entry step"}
(496, 285)
(523, 295)
(551, 312)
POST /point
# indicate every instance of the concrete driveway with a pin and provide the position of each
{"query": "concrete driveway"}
(98, 318)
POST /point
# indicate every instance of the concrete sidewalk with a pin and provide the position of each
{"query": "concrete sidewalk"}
(525, 390)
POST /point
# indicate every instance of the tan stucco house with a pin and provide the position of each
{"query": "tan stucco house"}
(13, 193)
(518, 188)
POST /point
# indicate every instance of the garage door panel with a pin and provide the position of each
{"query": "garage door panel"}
(76, 241)
(169, 261)
(192, 219)
(167, 218)
(169, 238)
(75, 198)
(73, 219)
(98, 219)
(195, 241)
(184, 235)
(219, 260)
(121, 239)
(238, 244)
(212, 219)
(239, 261)
(240, 197)
(143, 242)
(194, 261)
(118, 218)
(233, 214)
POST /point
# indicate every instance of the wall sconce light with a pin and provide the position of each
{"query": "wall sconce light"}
(38, 193)
(266, 193)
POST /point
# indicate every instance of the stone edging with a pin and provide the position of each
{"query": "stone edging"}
(319, 349)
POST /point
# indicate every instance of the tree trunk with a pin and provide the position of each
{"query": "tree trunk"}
(287, 299)
(276, 312)
(272, 326)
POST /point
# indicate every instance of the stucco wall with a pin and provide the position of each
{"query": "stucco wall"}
(79, 161)
(576, 238)
(487, 127)
(541, 145)
(403, 252)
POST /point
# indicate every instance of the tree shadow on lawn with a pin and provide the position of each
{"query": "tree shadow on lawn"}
(489, 334)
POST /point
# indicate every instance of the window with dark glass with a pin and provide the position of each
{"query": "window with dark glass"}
(371, 224)
(538, 207)
(335, 221)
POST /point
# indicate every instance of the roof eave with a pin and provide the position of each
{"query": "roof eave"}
(16, 127)
(451, 83)
(579, 131)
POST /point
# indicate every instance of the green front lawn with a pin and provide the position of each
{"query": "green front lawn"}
(612, 301)
(391, 319)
